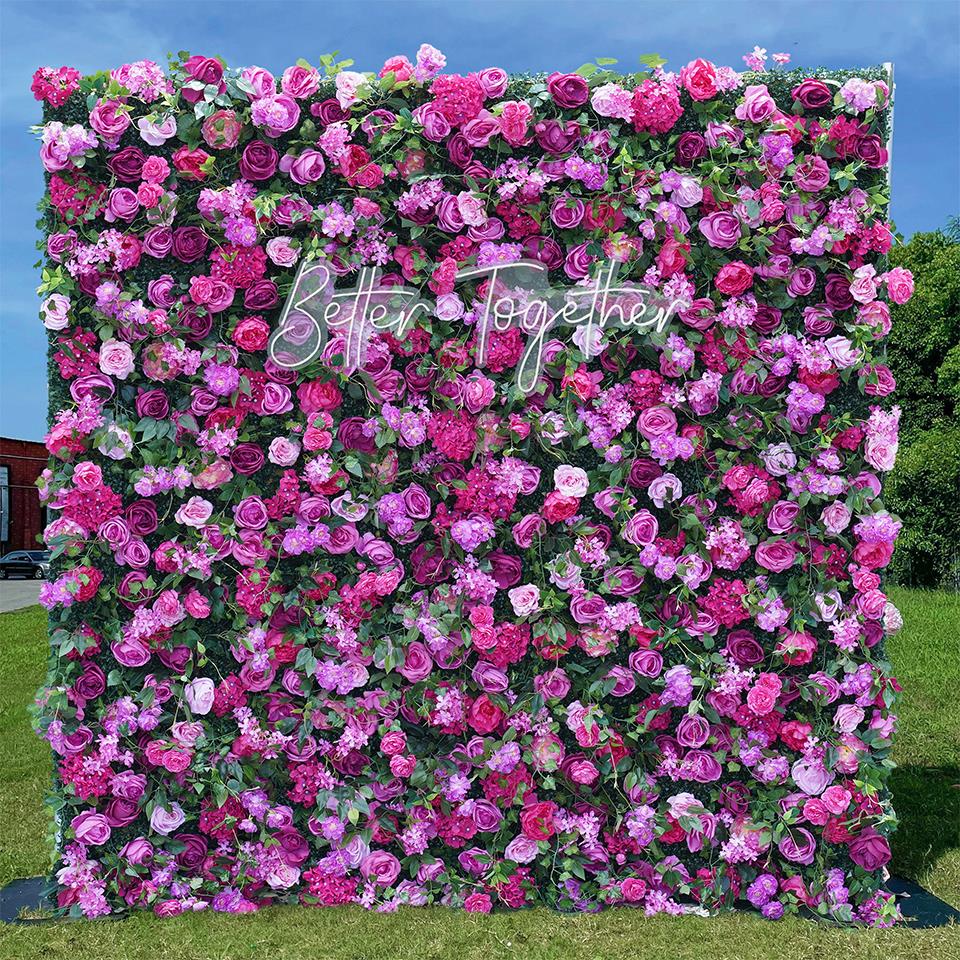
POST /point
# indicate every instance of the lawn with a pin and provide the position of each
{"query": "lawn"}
(927, 848)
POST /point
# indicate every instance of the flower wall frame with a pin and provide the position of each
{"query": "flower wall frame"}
(412, 635)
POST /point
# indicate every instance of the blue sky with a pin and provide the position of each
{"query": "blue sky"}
(921, 38)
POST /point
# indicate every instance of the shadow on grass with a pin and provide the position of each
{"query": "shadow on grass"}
(927, 801)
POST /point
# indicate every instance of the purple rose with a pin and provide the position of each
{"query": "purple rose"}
(693, 731)
(798, 846)
(153, 404)
(587, 608)
(721, 229)
(868, 849)
(416, 500)
(246, 458)
(506, 569)
(158, 242)
(91, 828)
(556, 137)
(308, 167)
(690, 148)
(258, 161)
(189, 244)
(127, 164)
(251, 512)
(122, 205)
(568, 90)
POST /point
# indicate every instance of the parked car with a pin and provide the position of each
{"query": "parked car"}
(25, 563)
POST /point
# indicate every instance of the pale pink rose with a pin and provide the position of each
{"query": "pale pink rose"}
(281, 252)
(571, 481)
(471, 209)
(195, 512)
(167, 819)
(525, 599)
(199, 695)
(835, 517)
(56, 311)
(116, 359)
(348, 83)
(283, 452)
(848, 717)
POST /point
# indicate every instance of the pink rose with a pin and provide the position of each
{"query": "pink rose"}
(525, 599)
(199, 694)
(116, 359)
(195, 512)
(90, 828)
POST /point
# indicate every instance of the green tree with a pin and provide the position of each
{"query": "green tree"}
(923, 350)
(924, 354)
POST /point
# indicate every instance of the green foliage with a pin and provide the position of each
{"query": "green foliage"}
(923, 345)
(924, 355)
(924, 490)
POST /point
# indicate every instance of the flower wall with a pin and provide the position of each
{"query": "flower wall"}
(410, 636)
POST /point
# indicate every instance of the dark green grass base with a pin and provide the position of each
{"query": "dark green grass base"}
(926, 789)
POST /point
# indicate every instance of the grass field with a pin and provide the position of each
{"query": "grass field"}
(927, 847)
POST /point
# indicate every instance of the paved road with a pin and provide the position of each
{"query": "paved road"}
(15, 594)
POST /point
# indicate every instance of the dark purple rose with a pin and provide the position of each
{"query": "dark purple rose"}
(120, 812)
(871, 151)
(328, 111)
(735, 797)
(175, 659)
(690, 148)
(246, 458)
(91, 683)
(569, 90)
(643, 472)
(127, 164)
(744, 649)
(141, 517)
(153, 404)
(194, 853)
(767, 318)
(837, 292)
(507, 570)
(350, 434)
(259, 161)
(428, 563)
(158, 242)
(261, 296)
(189, 244)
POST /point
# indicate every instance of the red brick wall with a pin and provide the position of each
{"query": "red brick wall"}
(24, 460)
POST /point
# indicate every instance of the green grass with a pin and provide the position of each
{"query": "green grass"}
(927, 848)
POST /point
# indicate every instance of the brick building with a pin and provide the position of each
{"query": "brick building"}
(22, 517)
